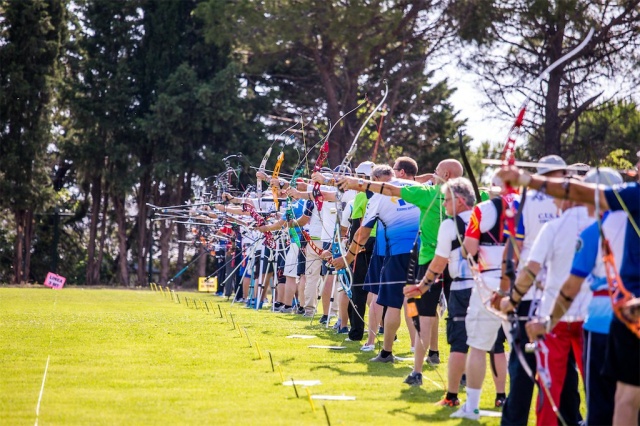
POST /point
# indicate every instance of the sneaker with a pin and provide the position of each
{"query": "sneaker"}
(379, 358)
(323, 319)
(462, 413)
(343, 330)
(413, 350)
(380, 330)
(500, 402)
(284, 310)
(278, 305)
(349, 339)
(337, 325)
(300, 310)
(368, 348)
(433, 359)
(414, 379)
(309, 314)
(444, 402)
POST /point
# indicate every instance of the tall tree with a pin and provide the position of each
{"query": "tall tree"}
(513, 41)
(102, 100)
(322, 58)
(31, 35)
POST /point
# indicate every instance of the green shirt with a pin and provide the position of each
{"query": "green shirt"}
(429, 199)
(359, 206)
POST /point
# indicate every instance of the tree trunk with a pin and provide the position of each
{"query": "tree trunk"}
(144, 233)
(121, 219)
(202, 265)
(18, 247)
(96, 196)
(166, 229)
(29, 230)
(103, 236)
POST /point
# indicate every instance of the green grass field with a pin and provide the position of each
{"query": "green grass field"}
(137, 357)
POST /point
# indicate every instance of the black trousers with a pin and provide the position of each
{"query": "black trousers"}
(358, 296)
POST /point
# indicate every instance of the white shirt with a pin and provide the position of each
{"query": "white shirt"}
(447, 234)
(553, 249)
(538, 209)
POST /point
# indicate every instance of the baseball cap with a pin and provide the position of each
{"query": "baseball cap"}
(551, 163)
(579, 169)
(326, 170)
(365, 168)
(346, 170)
(603, 175)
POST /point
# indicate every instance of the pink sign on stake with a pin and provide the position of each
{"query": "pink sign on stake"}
(54, 281)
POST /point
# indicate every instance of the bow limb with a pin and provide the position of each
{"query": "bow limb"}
(276, 173)
(467, 166)
(354, 145)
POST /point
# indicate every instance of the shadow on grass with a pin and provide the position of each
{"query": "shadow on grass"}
(441, 415)
(372, 371)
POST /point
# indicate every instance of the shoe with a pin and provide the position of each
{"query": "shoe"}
(463, 380)
(444, 402)
(433, 359)
(462, 413)
(240, 300)
(349, 339)
(323, 319)
(284, 310)
(379, 358)
(414, 379)
(500, 402)
(336, 326)
(380, 330)
(368, 348)
(413, 350)
(300, 310)
(343, 330)
(309, 314)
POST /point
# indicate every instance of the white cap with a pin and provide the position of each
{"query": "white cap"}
(603, 175)
(365, 168)
(552, 164)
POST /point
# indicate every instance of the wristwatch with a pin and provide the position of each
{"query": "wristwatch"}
(360, 183)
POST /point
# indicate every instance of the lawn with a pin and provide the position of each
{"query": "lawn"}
(140, 357)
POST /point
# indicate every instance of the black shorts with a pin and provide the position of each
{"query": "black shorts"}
(623, 355)
(498, 347)
(456, 329)
(427, 304)
(302, 258)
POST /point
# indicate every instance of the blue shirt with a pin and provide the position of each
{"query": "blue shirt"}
(599, 311)
(630, 267)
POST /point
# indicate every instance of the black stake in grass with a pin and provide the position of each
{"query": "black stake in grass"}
(186, 301)
(294, 387)
(326, 414)
(220, 309)
(250, 345)
(206, 305)
(178, 297)
(232, 321)
(271, 359)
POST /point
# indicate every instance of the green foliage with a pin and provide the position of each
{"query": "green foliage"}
(321, 58)
(611, 127)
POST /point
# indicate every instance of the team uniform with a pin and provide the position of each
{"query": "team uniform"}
(587, 263)
(623, 350)
(551, 250)
(538, 209)
(398, 225)
(486, 225)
